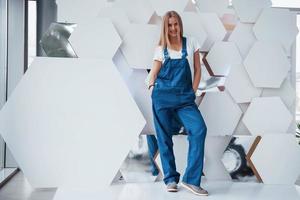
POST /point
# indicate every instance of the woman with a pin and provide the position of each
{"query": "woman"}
(173, 84)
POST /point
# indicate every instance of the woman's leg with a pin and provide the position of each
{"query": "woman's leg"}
(196, 129)
(162, 122)
(152, 151)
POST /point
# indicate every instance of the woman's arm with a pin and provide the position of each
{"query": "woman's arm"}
(197, 70)
(153, 73)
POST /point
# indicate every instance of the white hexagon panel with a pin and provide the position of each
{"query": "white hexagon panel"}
(95, 38)
(66, 116)
(267, 65)
(286, 92)
(215, 6)
(222, 56)
(74, 11)
(277, 25)
(249, 10)
(161, 7)
(221, 114)
(214, 168)
(214, 28)
(240, 86)
(276, 159)
(243, 37)
(142, 97)
(118, 17)
(267, 115)
(138, 11)
(193, 27)
(139, 44)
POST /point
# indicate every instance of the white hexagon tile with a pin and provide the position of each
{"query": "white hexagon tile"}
(138, 11)
(118, 17)
(193, 27)
(137, 50)
(214, 28)
(214, 168)
(286, 92)
(161, 7)
(267, 115)
(279, 152)
(215, 109)
(240, 86)
(243, 37)
(213, 6)
(96, 38)
(241, 129)
(267, 65)
(248, 11)
(76, 118)
(222, 56)
(277, 25)
(67, 10)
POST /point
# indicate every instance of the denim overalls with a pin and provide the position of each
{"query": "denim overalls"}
(173, 94)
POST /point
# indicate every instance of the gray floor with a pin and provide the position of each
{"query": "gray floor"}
(18, 188)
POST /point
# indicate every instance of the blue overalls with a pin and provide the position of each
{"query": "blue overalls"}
(173, 94)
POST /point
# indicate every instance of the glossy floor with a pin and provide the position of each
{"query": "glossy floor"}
(19, 189)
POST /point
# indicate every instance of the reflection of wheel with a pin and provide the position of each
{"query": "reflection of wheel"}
(235, 161)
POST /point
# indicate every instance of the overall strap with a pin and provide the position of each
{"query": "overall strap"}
(184, 51)
(166, 54)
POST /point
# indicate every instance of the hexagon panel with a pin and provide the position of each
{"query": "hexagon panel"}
(118, 17)
(138, 11)
(267, 65)
(214, 168)
(249, 10)
(137, 50)
(279, 152)
(243, 37)
(68, 10)
(74, 117)
(267, 115)
(277, 25)
(214, 28)
(221, 114)
(96, 38)
(161, 7)
(215, 6)
(240, 86)
(193, 27)
(222, 56)
(286, 92)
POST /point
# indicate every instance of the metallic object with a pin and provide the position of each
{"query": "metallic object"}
(55, 41)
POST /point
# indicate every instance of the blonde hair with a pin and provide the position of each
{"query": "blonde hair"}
(164, 37)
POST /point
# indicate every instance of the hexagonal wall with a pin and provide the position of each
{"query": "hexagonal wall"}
(277, 25)
(214, 28)
(276, 158)
(267, 115)
(118, 17)
(213, 6)
(137, 50)
(243, 37)
(96, 38)
(63, 110)
(249, 10)
(222, 56)
(138, 11)
(215, 109)
(267, 65)
(240, 86)
(161, 7)
(67, 10)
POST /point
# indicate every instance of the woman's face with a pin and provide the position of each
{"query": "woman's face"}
(173, 27)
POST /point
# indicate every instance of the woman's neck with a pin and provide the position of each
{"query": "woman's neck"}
(174, 41)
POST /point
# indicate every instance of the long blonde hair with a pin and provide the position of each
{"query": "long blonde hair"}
(164, 37)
